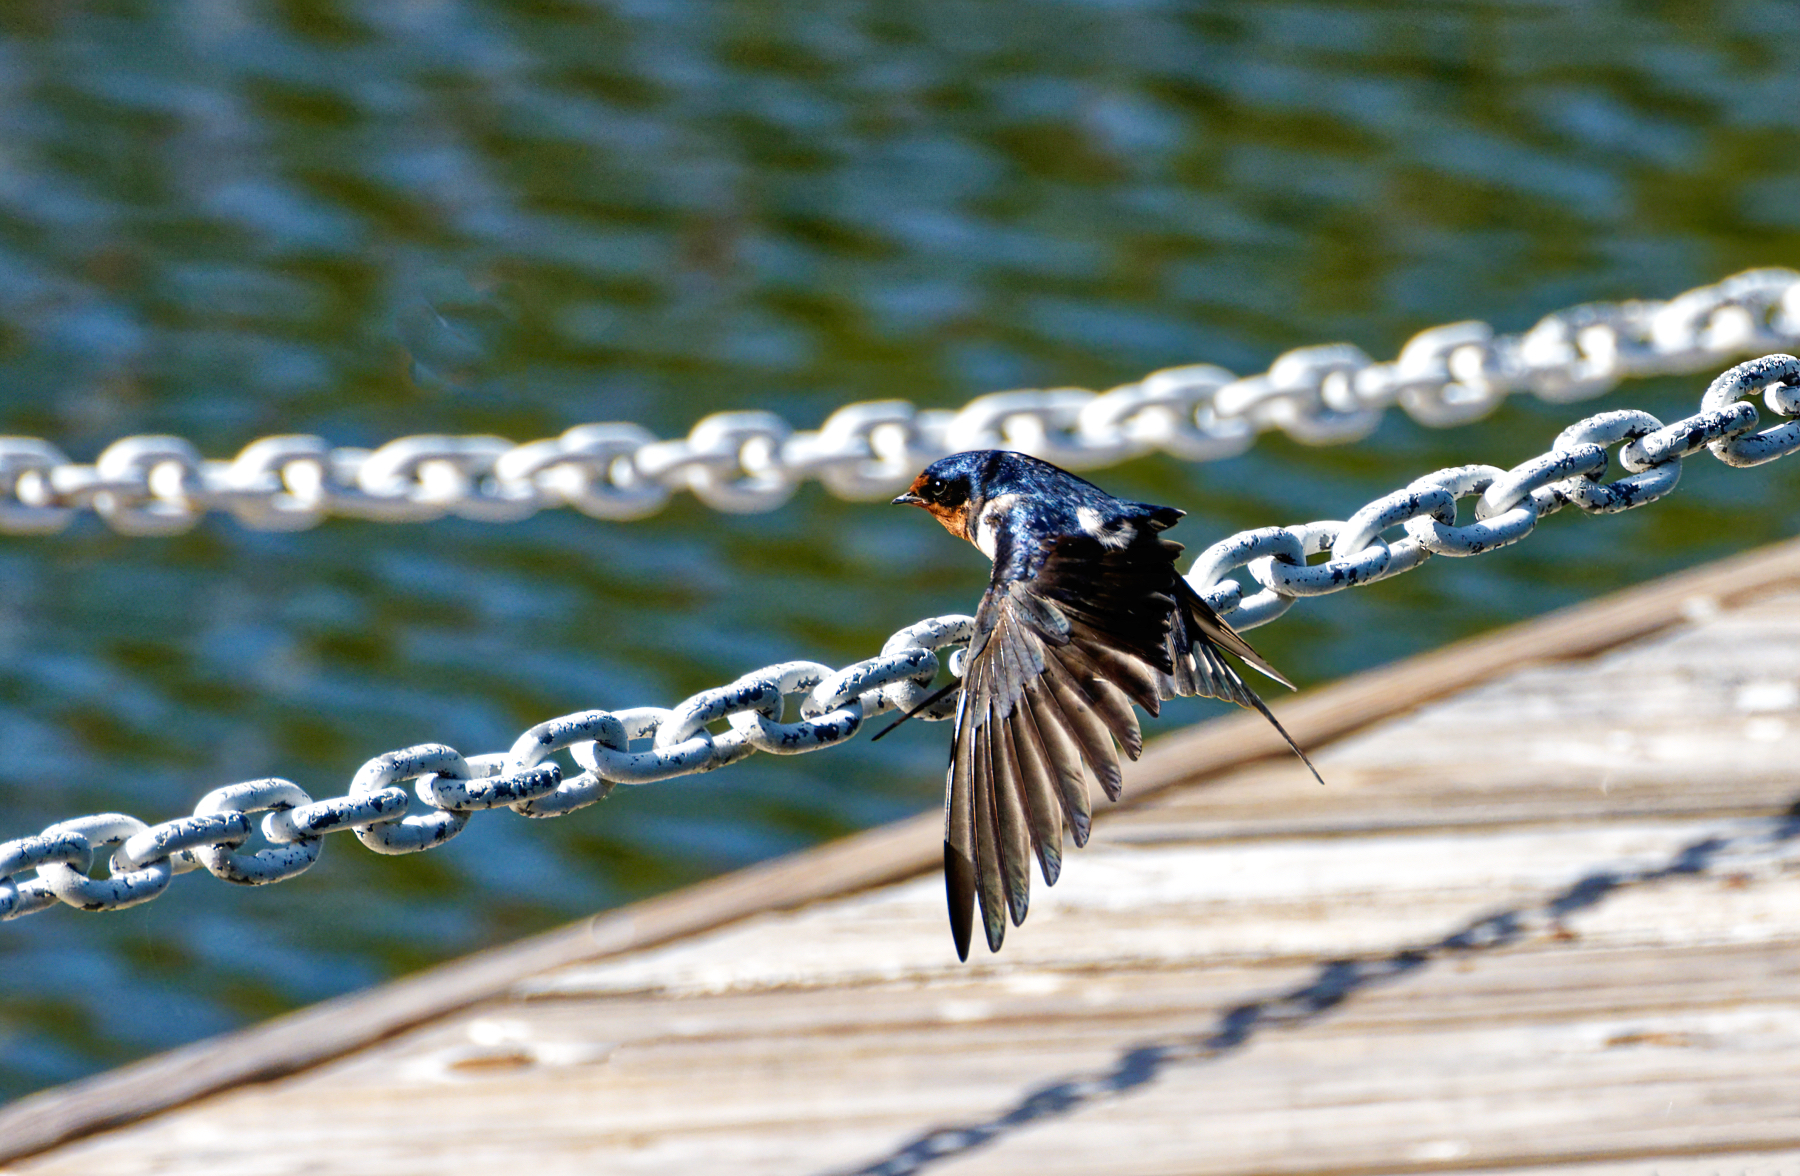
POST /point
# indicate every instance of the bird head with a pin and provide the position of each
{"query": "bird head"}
(953, 489)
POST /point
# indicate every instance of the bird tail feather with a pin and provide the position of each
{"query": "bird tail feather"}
(1196, 636)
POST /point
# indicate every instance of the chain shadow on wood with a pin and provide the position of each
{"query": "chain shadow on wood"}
(1336, 982)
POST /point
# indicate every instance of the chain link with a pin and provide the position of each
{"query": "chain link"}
(38, 871)
(745, 462)
(1511, 501)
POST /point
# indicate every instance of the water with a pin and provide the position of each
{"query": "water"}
(222, 219)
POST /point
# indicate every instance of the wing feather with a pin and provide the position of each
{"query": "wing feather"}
(1064, 758)
(1204, 628)
(990, 886)
(1043, 807)
(1016, 664)
(1084, 726)
(959, 830)
(1139, 681)
(1013, 830)
(1103, 699)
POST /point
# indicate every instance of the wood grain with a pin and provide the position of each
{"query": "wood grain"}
(1382, 798)
(1663, 1018)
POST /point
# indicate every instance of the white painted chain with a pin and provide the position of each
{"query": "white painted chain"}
(449, 787)
(753, 461)
(1509, 503)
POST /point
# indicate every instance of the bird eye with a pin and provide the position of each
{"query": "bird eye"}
(935, 488)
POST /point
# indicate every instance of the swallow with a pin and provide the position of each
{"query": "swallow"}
(1085, 615)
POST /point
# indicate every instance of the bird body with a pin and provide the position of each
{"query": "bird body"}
(1085, 615)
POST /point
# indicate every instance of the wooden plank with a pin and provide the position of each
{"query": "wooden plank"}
(1660, 1015)
(1190, 907)
(312, 1036)
(1586, 740)
(332, 1028)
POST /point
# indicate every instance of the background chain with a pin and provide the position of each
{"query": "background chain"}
(753, 461)
(38, 871)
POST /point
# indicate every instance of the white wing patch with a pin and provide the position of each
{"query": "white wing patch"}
(1114, 535)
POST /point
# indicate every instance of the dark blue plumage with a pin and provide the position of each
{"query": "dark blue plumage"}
(1085, 615)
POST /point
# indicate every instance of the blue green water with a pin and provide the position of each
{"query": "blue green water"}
(229, 218)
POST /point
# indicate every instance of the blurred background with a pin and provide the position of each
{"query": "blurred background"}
(367, 218)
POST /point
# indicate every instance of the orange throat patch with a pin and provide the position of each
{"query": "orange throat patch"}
(954, 518)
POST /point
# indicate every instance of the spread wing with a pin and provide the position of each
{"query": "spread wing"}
(1056, 662)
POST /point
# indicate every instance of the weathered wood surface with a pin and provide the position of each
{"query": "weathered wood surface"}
(1550, 922)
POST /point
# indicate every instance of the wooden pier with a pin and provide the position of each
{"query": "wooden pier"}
(1545, 916)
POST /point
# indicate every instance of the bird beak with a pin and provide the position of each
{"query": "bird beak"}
(908, 499)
